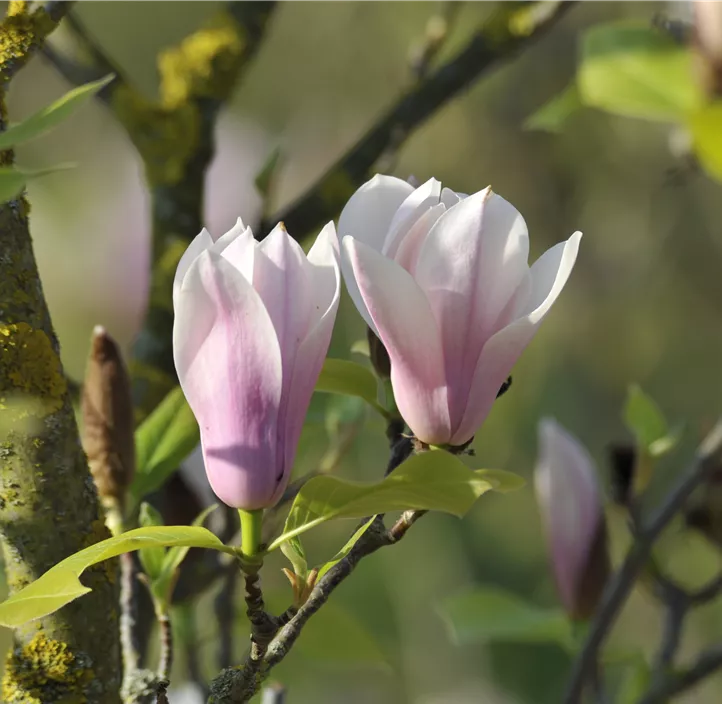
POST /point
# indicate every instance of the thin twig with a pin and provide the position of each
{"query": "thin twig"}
(487, 50)
(165, 640)
(619, 588)
(709, 662)
(130, 647)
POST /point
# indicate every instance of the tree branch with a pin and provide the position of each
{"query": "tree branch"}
(49, 507)
(619, 588)
(26, 33)
(709, 662)
(497, 42)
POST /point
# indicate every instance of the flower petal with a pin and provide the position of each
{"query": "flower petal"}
(423, 198)
(405, 324)
(282, 278)
(239, 250)
(229, 365)
(548, 276)
(199, 243)
(570, 504)
(312, 351)
(470, 265)
(408, 252)
(368, 214)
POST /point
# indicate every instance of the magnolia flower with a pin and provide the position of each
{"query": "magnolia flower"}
(253, 323)
(442, 279)
(572, 513)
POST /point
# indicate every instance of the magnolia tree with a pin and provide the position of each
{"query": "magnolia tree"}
(235, 343)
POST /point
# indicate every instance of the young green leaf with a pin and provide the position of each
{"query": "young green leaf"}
(635, 681)
(340, 376)
(151, 557)
(293, 550)
(12, 183)
(52, 115)
(637, 71)
(490, 614)
(14, 180)
(643, 417)
(163, 583)
(705, 126)
(552, 116)
(346, 549)
(60, 584)
(162, 442)
(434, 480)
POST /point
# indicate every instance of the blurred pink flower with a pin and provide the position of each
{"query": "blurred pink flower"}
(253, 322)
(572, 513)
(443, 280)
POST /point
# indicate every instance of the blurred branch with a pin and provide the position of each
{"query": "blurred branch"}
(224, 606)
(709, 662)
(498, 41)
(619, 588)
(437, 32)
(92, 63)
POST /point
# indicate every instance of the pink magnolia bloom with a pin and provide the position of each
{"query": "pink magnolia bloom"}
(570, 503)
(443, 281)
(253, 323)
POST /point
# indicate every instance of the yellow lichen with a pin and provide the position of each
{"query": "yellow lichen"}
(46, 670)
(204, 64)
(29, 367)
(165, 138)
(17, 7)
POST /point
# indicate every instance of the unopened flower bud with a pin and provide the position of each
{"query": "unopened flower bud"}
(107, 412)
(571, 508)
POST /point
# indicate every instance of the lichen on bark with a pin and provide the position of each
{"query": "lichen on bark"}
(48, 503)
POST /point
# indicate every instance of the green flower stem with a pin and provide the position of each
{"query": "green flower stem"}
(251, 528)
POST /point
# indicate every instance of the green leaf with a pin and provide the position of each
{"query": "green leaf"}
(490, 614)
(336, 636)
(52, 115)
(705, 126)
(339, 376)
(293, 550)
(667, 443)
(266, 176)
(175, 555)
(162, 442)
(637, 71)
(14, 180)
(12, 183)
(552, 116)
(635, 682)
(643, 417)
(346, 549)
(60, 584)
(151, 557)
(434, 480)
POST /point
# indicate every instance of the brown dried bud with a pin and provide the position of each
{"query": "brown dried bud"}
(107, 411)
(379, 356)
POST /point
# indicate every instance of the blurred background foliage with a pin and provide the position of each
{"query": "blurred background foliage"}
(644, 305)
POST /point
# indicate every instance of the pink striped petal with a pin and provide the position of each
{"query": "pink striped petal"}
(470, 265)
(406, 326)
(229, 365)
(326, 294)
(548, 276)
